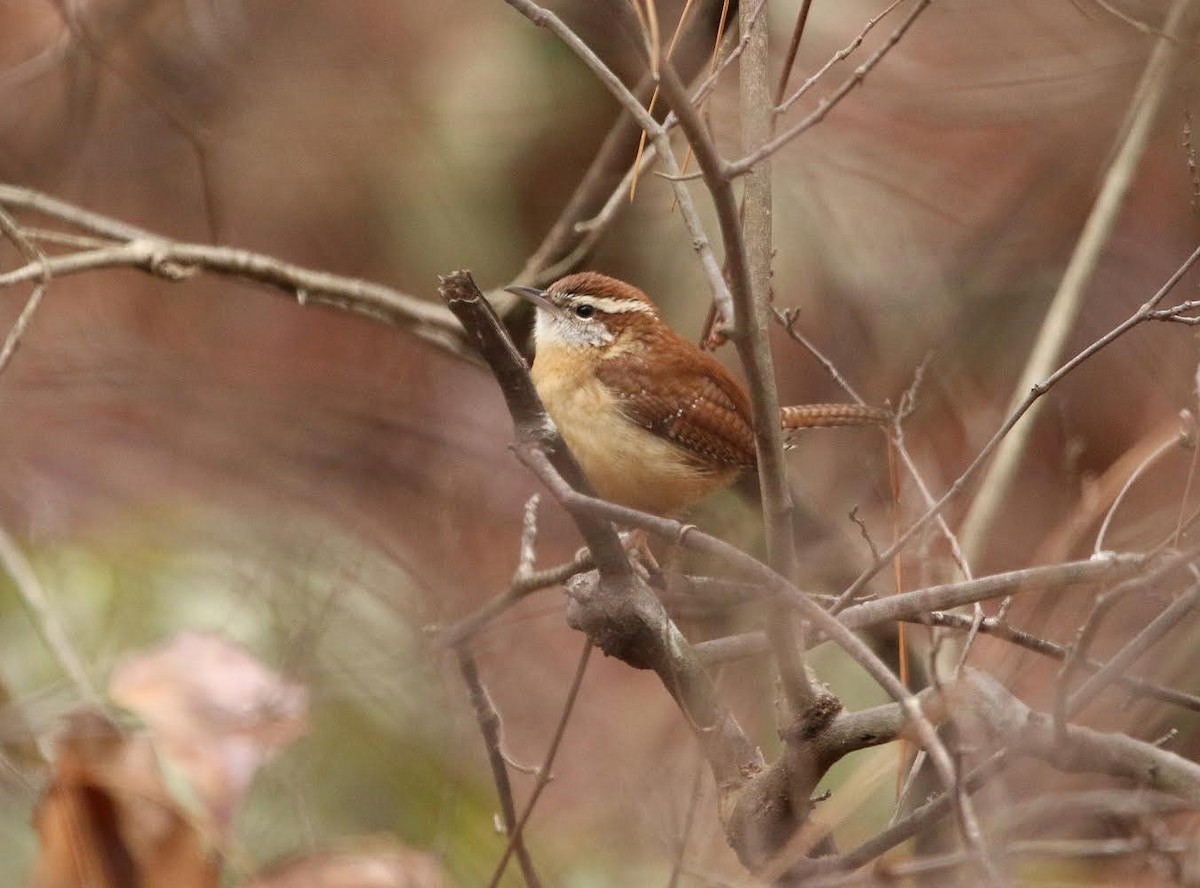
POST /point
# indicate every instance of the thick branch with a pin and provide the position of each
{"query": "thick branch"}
(630, 624)
(1007, 720)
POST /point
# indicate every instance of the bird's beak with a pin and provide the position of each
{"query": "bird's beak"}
(536, 296)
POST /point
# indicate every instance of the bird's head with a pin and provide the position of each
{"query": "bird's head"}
(588, 310)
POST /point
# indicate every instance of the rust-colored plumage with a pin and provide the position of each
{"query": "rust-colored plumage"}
(680, 393)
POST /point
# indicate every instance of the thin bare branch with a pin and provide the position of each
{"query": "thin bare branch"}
(1159, 452)
(999, 629)
(11, 230)
(789, 61)
(45, 618)
(176, 261)
(910, 605)
(490, 725)
(782, 106)
(827, 104)
(531, 582)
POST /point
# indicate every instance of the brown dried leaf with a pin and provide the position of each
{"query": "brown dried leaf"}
(107, 818)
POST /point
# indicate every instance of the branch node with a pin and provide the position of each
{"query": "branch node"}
(625, 626)
(814, 720)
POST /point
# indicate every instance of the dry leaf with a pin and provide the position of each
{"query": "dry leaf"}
(107, 819)
(215, 713)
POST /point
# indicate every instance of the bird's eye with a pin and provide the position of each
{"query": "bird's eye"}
(585, 311)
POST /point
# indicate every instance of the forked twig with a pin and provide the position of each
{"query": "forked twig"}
(544, 772)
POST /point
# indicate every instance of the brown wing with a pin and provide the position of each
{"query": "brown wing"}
(693, 403)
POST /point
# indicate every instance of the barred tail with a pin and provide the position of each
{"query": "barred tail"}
(819, 416)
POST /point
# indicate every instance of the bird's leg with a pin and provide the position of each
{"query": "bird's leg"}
(637, 544)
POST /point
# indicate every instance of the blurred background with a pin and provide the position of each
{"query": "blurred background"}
(324, 489)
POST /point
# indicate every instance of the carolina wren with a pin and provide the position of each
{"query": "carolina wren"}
(656, 423)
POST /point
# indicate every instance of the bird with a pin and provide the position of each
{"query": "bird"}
(656, 423)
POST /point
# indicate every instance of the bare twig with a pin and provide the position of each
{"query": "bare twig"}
(1103, 605)
(45, 618)
(490, 726)
(521, 587)
(16, 197)
(637, 163)
(999, 629)
(527, 555)
(782, 106)
(573, 237)
(789, 61)
(827, 104)
(598, 198)
(749, 334)
(910, 605)
(11, 230)
(1159, 452)
(788, 319)
(926, 606)
(901, 449)
(914, 823)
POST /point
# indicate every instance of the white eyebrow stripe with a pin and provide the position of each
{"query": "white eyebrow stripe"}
(615, 306)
